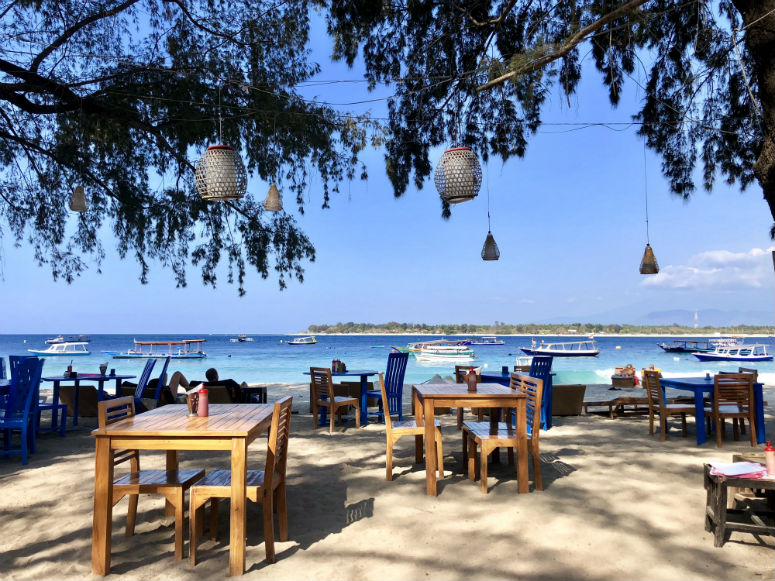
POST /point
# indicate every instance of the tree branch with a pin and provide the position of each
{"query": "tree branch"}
(566, 47)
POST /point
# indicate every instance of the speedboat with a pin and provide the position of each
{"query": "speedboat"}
(570, 349)
(740, 352)
(487, 340)
(71, 349)
(303, 341)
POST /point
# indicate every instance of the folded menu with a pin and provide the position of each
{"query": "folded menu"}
(738, 469)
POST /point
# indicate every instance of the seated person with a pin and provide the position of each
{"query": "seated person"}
(234, 388)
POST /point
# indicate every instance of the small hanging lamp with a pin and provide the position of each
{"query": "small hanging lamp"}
(490, 249)
(273, 202)
(78, 200)
(220, 174)
(648, 264)
(458, 175)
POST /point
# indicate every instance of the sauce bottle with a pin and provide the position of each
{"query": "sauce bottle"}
(203, 410)
(769, 458)
(471, 379)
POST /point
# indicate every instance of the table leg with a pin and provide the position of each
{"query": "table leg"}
(417, 409)
(364, 400)
(699, 416)
(102, 522)
(430, 447)
(77, 391)
(546, 404)
(54, 414)
(172, 464)
(238, 501)
(522, 471)
(758, 400)
(118, 387)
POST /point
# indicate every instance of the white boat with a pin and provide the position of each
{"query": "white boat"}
(68, 339)
(183, 349)
(444, 353)
(303, 341)
(241, 339)
(739, 352)
(71, 349)
(569, 349)
(487, 340)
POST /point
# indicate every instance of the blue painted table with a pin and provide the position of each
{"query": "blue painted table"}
(364, 374)
(700, 386)
(546, 397)
(89, 377)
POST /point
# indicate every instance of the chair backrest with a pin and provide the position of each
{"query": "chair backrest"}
(2, 368)
(145, 377)
(394, 381)
(114, 410)
(541, 367)
(533, 387)
(24, 387)
(653, 388)
(218, 394)
(277, 449)
(162, 379)
(754, 372)
(462, 370)
(15, 360)
(322, 383)
(383, 392)
(732, 388)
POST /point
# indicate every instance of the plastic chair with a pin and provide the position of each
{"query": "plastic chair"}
(172, 484)
(541, 368)
(394, 386)
(19, 411)
(265, 486)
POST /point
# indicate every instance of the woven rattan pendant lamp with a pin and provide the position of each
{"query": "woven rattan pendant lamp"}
(220, 173)
(648, 264)
(458, 175)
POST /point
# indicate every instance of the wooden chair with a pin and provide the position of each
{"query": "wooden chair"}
(755, 374)
(732, 398)
(460, 377)
(480, 433)
(172, 484)
(323, 395)
(265, 486)
(394, 431)
(658, 405)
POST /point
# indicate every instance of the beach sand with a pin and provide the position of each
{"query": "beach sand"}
(617, 504)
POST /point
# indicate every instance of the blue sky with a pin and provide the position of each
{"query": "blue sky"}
(568, 219)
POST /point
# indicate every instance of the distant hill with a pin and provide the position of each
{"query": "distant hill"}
(684, 317)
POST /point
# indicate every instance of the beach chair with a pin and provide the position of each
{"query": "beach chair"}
(406, 428)
(394, 386)
(323, 396)
(265, 486)
(732, 398)
(172, 484)
(142, 383)
(19, 412)
(480, 434)
(658, 405)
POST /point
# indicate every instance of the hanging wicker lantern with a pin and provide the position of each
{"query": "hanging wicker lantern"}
(490, 249)
(458, 175)
(220, 174)
(273, 202)
(649, 264)
(78, 200)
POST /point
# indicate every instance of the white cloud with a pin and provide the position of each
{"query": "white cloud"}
(719, 270)
(527, 301)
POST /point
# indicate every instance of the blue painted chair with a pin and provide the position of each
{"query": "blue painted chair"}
(19, 412)
(162, 378)
(394, 386)
(58, 410)
(541, 368)
(142, 384)
(2, 369)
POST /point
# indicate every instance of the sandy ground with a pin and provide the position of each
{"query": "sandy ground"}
(617, 504)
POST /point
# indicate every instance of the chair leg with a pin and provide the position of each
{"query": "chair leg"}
(483, 466)
(651, 422)
(752, 430)
(179, 517)
(282, 512)
(389, 460)
(214, 519)
(536, 468)
(440, 453)
(268, 510)
(684, 433)
(662, 427)
(465, 447)
(194, 523)
(459, 418)
(315, 411)
(331, 419)
(131, 515)
(735, 430)
(719, 431)
(357, 416)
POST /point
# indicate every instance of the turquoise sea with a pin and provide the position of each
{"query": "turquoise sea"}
(269, 359)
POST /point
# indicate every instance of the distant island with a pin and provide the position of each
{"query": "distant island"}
(499, 328)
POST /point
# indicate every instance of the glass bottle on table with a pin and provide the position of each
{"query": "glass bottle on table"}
(471, 379)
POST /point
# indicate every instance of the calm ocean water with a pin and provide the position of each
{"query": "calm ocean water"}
(269, 359)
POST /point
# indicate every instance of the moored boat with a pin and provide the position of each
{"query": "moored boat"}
(444, 353)
(697, 346)
(241, 339)
(569, 349)
(68, 339)
(739, 352)
(487, 340)
(71, 348)
(310, 340)
(183, 349)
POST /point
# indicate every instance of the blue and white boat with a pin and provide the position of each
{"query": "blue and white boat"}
(487, 340)
(740, 352)
(303, 341)
(569, 349)
(70, 349)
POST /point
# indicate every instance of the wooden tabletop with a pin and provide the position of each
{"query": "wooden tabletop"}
(233, 420)
(455, 390)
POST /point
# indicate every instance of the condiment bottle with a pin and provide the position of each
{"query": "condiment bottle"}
(203, 410)
(471, 379)
(769, 458)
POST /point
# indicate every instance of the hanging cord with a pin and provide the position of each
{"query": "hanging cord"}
(646, 192)
(220, 121)
(489, 230)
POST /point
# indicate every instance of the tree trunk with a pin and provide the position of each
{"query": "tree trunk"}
(759, 19)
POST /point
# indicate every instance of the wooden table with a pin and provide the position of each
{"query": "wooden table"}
(230, 427)
(704, 385)
(428, 396)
